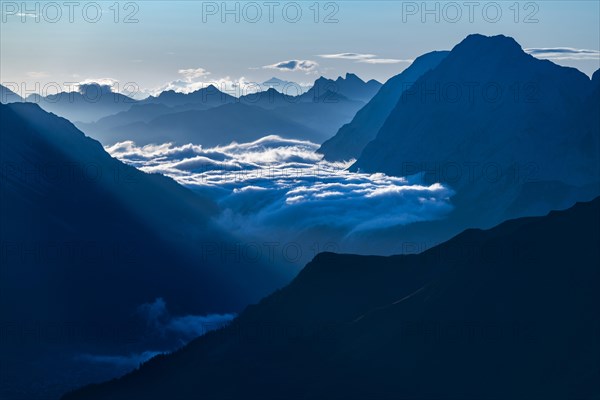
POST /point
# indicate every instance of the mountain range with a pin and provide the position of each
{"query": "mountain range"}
(202, 116)
(510, 312)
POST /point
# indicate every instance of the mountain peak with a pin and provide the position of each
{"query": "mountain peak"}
(352, 77)
(211, 87)
(500, 45)
(322, 79)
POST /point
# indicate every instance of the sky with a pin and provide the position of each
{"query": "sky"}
(149, 46)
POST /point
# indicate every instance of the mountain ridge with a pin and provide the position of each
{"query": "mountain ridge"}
(450, 322)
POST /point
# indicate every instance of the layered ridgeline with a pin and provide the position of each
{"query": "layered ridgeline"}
(350, 139)
(211, 117)
(511, 134)
(219, 125)
(87, 240)
(506, 313)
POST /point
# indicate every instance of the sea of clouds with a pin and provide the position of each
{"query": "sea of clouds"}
(277, 189)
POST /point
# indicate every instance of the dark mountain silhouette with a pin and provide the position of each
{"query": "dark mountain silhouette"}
(216, 126)
(350, 86)
(8, 96)
(208, 97)
(351, 138)
(511, 134)
(89, 104)
(86, 240)
(510, 312)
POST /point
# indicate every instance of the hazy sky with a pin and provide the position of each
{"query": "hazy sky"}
(181, 44)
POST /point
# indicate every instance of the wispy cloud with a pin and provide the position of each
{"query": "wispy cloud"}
(363, 58)
(193, 73)
(164, 331)
(294, 65)
(347, 56)
(38, 74)
(564, 53)
(384, 61)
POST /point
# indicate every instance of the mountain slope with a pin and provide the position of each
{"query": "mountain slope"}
(498, 126)
(506, 313)
(87, 240)
(351, 138)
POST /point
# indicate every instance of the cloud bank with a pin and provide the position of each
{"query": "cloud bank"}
(280, 188)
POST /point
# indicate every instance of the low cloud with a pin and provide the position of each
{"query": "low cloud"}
(186, 327)
(294, 65)
(163, 331)
(564, 53)
(280, 188)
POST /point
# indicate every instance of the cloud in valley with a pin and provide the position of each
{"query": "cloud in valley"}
(164, 331)
(281, 188)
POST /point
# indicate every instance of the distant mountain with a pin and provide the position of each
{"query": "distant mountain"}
(351, 138)
(269, 99)
(288, 87)
(8, 96)
(89, 104)
(86, 240)
(511, 134)
(350, 86)
(209, 117)
(215, 126)
(324, 114)
(146, 112)
(506, 313)
(207, 97)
